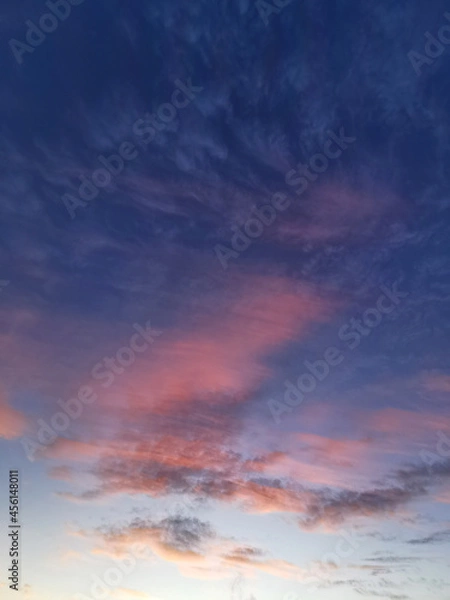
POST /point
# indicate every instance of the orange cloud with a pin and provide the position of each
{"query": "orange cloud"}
(193, 547)
(62, 473)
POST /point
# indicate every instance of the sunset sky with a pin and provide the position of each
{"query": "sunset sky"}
(224, 299)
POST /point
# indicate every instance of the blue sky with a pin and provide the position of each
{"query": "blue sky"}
(224, 298)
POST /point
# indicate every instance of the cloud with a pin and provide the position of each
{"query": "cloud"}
(443, 496)
(171, 420)
(402, 487)
(13, 423)
(336, 213)
(176, 539)
(434, 538)
(392, 558)
(273, 482)
(317, 459)
(332, 508)
(436, 382)
(178, 422)
(78, 451)
(407, 423)
(224, 356)
(193, 546)
(276, 568)
(229, 483)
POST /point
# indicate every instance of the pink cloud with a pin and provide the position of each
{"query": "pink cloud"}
(436, 382)
(404, 423)
(12, 422)
(335, 212)
(224, 353)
